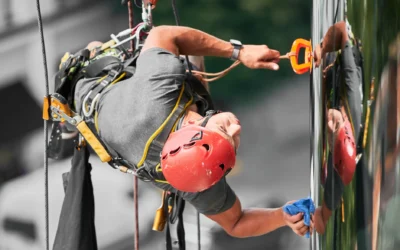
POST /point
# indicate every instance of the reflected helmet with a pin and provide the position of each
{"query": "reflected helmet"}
(344, 156)
(194, 158)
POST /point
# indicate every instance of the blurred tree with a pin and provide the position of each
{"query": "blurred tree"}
(274, 23)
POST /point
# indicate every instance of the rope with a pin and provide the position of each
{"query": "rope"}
(288, 55)
(46, 160)
(226, 71)
(217, 75)
(198, 232)
(176, 15)
(135, 179)
(135, 201)
(131, 23)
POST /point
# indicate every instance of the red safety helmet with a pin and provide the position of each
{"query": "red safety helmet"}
(344, 155)
(194, 158)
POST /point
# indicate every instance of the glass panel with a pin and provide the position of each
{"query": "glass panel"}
(355, 147)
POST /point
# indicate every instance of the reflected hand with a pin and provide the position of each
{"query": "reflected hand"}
(319, 221)
(259, 57)
(317, 56)
(321, 218)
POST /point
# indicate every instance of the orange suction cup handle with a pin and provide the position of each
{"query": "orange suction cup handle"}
(307, 65)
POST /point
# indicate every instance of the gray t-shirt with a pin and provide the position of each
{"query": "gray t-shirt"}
(132, 110)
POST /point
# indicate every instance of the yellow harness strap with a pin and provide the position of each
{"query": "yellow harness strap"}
(93, 142)
(61, 112)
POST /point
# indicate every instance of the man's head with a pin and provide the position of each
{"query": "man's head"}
(195, 157)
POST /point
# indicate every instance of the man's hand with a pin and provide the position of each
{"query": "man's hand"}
(317, 55)
(259, 57)
(296, 223)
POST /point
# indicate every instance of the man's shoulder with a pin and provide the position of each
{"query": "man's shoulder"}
(158, 61)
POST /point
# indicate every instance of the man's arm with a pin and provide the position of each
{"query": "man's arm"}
(251, 222)
(187, 41)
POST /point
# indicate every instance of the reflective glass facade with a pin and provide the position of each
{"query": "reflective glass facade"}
(355, 124)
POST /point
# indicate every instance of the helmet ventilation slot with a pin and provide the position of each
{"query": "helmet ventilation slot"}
(173, 152)
(206, 146)
(189, 145)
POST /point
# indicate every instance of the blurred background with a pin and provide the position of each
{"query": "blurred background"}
(273, 107)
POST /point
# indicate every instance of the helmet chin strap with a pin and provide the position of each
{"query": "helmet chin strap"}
(209, 114)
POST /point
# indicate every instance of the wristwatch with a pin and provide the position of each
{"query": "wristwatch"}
(237, 45)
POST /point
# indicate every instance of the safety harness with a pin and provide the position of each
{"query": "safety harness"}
(59, 107)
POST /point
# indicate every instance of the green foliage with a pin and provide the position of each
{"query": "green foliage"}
(274, 23)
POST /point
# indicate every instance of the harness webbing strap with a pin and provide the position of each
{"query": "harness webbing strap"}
(173, 207)
(95, 68)
(96, 145)
(168, 240)
(180, 230)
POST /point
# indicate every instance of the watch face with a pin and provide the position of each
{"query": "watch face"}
(235, 42)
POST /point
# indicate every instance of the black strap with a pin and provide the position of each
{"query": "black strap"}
(181, 229)
(209, 114)
(178, 207)
(168, 240)
(96, 68)
(98, 88)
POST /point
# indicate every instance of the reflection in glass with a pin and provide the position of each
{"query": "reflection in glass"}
(355, 142)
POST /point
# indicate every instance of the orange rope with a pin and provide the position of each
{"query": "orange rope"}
(217, 75)
(288, 55)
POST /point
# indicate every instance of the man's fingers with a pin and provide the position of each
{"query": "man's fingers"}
(269, 55)
(298, 225)
(267, 65)
(273, 54)
(295, 218)
(303, 230)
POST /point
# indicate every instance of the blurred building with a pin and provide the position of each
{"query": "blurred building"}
(68, 25)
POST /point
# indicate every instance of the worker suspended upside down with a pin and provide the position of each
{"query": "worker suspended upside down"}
(135, 115)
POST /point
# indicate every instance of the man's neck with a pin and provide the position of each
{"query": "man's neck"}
(191, 116)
